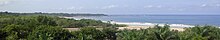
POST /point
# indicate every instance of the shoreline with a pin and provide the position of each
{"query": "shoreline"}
(136, 23)
(151, 24)
(138, 26)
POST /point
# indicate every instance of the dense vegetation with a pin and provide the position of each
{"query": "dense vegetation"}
(37, 20)
(38, 27)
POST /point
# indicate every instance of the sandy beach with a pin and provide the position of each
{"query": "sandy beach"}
(145, 27)
(136, 25)
(152, 24)
(129, 28)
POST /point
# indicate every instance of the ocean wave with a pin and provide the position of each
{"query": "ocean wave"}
(136, 23)
(151, 24)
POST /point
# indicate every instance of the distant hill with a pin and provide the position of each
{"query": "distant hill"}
(54, 14)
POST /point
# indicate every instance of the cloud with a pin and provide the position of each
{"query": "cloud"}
(73, 7)
(153, 6)
(159, 6)
(109, 6)
(148, 6)
(29, 0)
(218, 5)
(180, 9)
(4, 2)
(210, 5)
(203, 5)
(69, 8)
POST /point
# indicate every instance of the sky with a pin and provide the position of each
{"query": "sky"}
(114, 6)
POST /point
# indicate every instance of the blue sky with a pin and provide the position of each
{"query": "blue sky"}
(114, 6)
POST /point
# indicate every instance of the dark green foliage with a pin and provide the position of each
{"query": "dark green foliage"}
(3, 35)
(49, 33)
(133, 35)
(157, 33)
(164, 33)
(201, 33)
(89, 33)
(35, 20)
(110, 33)
(13, 27)
(16, 31)
(45, 20)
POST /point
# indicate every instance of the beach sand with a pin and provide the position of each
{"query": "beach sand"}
(145, 27)
(137, 25)
(129, 28)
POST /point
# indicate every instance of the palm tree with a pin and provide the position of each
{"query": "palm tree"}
(164, 33)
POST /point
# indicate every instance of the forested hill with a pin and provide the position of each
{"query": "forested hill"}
(55, 14)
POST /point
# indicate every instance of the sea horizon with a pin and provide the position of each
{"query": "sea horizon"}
(160, 19)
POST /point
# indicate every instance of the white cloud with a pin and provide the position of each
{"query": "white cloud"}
(109, 6)
(76, 8)
(203, 5)
(153, 6)
(148, 6)
(176, 9)
(170, 9)
(180, 9)
(159, 6)
(69, 8)
(4, 2)
(29, 0)
(210, 5)
(218, 5)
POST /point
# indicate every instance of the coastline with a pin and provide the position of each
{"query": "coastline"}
(151, 24)
(138, 25)
(135, 23)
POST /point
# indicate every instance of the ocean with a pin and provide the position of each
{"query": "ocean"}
(163, 19)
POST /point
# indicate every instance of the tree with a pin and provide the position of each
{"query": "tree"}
(16, 31)
(3, 35)
(45, 20)
(89, 33)
(110, 33)
(49, 33)
(201, 32)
